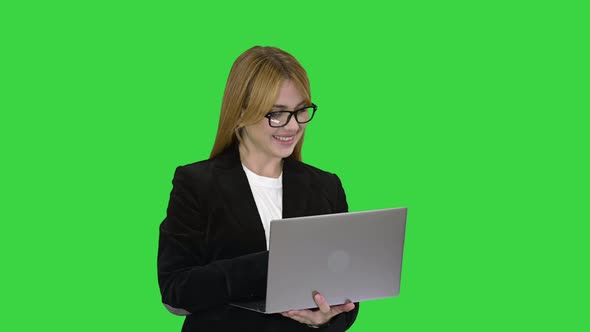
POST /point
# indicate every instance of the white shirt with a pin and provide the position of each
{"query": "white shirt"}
(268, 195)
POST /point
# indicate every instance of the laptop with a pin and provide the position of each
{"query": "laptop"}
(352, 256)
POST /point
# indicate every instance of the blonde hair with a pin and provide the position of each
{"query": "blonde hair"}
(251, 90)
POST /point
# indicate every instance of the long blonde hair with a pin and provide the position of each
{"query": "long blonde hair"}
(251, 90)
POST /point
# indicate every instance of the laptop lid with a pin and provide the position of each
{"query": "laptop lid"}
(353, 256)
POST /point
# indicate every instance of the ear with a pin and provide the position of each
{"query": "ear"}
(238, 133)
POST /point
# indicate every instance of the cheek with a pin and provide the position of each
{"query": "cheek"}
(263, 132)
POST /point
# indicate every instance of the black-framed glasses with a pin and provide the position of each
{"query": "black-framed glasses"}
(278, 119)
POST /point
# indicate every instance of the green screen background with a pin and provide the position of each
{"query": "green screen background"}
(473, 114)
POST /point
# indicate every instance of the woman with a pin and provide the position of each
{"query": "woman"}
(213, 242)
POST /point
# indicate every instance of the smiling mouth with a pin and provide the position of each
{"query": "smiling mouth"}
(284, 138)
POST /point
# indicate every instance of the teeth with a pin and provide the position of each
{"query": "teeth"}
(284, 138)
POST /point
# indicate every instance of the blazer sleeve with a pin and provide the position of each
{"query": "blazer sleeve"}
(188, 283)
(340, 205)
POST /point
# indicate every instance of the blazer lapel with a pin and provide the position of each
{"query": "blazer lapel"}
(296, 190)
(237, 195)
(234, 186)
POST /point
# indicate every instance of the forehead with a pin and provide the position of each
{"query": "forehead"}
(289, 96)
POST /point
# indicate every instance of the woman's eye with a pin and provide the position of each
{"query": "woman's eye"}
(303, 111)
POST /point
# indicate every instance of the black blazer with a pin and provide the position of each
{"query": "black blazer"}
(212, 247)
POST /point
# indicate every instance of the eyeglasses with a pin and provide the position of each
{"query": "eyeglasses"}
(281, 118)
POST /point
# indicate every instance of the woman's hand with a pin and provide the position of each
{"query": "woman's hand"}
(321, 316)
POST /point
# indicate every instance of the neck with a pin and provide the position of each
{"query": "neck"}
(261, 165)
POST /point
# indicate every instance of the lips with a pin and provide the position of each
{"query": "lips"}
(283, 138)
(285, 141)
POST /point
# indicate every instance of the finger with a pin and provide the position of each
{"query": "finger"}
(322, 303)
(292, 313)
(310, 317)
(302, 313)
(300, 319)
(343, 308)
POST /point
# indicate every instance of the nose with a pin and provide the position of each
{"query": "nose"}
(292, 125)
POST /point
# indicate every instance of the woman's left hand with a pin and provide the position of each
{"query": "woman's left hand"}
(321, 316)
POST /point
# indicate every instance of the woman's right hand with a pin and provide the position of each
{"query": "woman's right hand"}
(320, 316)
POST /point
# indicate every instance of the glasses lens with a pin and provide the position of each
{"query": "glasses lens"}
(278, 119)
(304, 115)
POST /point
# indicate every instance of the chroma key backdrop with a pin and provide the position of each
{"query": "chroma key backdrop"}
(472, 114)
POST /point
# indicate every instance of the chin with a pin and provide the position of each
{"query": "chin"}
(284, 153)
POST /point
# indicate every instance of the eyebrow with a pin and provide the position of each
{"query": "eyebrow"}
(285, 107)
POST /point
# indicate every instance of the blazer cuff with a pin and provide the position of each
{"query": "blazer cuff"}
(245, 275)
(176, 311)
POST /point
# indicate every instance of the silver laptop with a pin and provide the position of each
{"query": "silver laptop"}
(352, 256)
